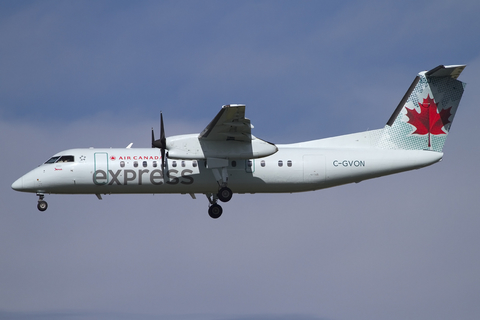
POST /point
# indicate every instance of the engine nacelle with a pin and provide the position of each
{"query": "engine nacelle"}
(190, 147)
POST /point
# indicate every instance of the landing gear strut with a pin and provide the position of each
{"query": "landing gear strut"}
(224, 194)
(42, 205)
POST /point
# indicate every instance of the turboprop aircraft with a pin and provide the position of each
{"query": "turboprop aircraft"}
(226, 158)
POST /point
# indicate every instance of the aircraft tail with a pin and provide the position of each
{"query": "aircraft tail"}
(423, 117)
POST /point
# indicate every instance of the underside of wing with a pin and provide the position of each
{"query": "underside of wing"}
(229, 124)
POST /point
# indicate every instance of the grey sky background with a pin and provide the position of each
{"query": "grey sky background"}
(97, 73)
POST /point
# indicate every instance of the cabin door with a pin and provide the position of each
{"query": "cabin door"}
(101, 175)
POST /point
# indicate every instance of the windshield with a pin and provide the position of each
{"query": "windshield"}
(59, 159)
(52, 160)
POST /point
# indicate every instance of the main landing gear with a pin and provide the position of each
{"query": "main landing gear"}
(42, 204)
(224, 195)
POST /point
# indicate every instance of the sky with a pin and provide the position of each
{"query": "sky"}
(98, 73)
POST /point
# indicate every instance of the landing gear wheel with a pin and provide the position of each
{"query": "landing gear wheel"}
(42, 205)
(215, 211)
(225, 194)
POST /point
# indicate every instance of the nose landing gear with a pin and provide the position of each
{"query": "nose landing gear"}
(42, 204)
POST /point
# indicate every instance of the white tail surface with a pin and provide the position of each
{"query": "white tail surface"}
(423, 117)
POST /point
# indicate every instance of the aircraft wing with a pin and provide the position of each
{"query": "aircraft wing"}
(227, 136)
(229, 124)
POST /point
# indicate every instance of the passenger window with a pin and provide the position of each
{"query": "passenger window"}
(135, 164)
(234, 163)
(154, 164)
(262, 163)
(183, 163)
(280, 163)
(174, 163)
(144, 164)
(250, 163)
(122, 164)
(194, 163)
(289, 163)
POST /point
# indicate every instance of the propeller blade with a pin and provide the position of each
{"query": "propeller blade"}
(163, 140)
(162, 150)
(153, 139)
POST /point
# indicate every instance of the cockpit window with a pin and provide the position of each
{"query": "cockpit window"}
(66, 159)
(59, 159)
(52, 160)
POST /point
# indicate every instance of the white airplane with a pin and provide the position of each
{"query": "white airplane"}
(226, 158)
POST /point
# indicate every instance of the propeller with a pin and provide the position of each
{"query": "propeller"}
(160, 143)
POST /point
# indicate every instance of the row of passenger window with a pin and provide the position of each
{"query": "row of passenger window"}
(280, 163)
(183, 163)
(194, 163)
(263, 163)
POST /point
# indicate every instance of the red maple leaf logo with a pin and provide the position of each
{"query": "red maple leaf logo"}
(428, 121)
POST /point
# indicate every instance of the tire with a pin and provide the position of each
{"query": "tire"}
(224, 194)
(42, 205)
(215, 211)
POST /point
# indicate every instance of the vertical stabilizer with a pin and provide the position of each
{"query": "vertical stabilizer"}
(423, 117)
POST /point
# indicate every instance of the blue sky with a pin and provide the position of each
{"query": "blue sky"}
(97, 73)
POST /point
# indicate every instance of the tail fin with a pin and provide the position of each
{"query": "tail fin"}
(423, 117)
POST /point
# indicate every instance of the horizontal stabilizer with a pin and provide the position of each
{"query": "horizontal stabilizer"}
(446, 71)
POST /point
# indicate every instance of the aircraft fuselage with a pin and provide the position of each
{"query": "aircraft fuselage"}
(294, 168)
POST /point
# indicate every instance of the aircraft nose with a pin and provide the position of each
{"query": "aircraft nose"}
(18, 185)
